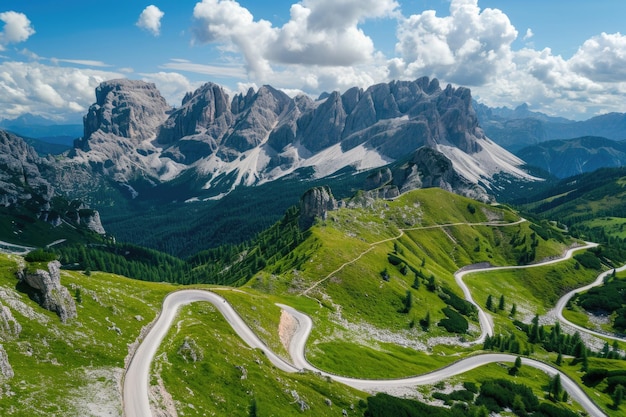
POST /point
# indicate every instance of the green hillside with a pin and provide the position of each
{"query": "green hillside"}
(378, 283)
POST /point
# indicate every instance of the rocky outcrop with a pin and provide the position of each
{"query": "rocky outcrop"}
(9, 327)
(83, 216)
(6, 370)
(429, 168)
(47, 288)
(316, 203)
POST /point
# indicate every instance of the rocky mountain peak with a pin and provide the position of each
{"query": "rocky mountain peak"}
(126, 108)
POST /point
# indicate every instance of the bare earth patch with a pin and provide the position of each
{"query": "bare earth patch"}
(286, 328)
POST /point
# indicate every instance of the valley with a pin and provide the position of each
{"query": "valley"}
(281, 262)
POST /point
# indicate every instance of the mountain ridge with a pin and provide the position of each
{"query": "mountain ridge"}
(264, 135)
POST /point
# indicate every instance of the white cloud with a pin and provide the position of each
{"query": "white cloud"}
(171, 85)
(150, 20)
(529, 34)
(230, 71)
(323, 33)
(602, 58)
(85, 62)
(17, 28)
(467, 47)
(51, 91)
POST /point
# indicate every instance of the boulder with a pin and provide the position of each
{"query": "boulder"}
(47, 287)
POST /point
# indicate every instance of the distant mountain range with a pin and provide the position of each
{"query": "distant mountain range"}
(566, 158)
(517, 128)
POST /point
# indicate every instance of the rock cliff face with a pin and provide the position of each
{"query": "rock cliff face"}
(316, 203)
(52, 295)
(22, 172)
(25, 182)
(262, 135)
(119, 128)
(9, 327)
(6, 370)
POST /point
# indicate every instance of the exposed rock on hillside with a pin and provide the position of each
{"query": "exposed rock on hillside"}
(316, 203)
(9, 327)
(49, 291)
(429, 168)
(6, 370)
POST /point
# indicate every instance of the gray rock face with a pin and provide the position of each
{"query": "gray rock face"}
(6, 370)
(9, 327)
(316, 203)
(52, 295)
(21, 172)
(263, 135)
(429, 168)
(126, 108)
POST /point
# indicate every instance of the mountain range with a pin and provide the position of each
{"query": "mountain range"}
(517, 128)
(257, 137)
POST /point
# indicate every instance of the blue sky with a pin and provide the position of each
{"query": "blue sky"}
(562, 57)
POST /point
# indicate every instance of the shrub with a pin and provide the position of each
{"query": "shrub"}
(40, 255)
(454, 322)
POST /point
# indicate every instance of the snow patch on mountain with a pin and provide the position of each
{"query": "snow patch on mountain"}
(481, 166)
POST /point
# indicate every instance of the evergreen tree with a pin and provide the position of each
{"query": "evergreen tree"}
(408, 301)
(618, 396)
(559, 359)
(513, 310)
(431, 285)
(501, 304)
(489, 303)
(416, 282)
(78, 296)
(252, 410)
(556, 387)
(425, 322)
(518, 362)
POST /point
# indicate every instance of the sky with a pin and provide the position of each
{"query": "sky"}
(562, 57)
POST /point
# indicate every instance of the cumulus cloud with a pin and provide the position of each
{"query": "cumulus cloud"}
(17, 28)
(323, 33)
(51, 91)
(171, 85)
(602, 58)
(529, 34)
(467, 47)
(150, 20)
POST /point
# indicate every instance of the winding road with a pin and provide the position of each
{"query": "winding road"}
(136, 381)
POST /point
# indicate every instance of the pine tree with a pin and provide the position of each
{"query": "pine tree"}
(518, 362)
(501, 304)
(513, 310)
(618, 396)
(556, 387)
(416, 282)
(425, 322)
(408, 301)
(489, 303)
(431, 285)
(78, 296)
(559, 359)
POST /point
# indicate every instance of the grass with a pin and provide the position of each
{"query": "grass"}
(61, 369)
(230, 376)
